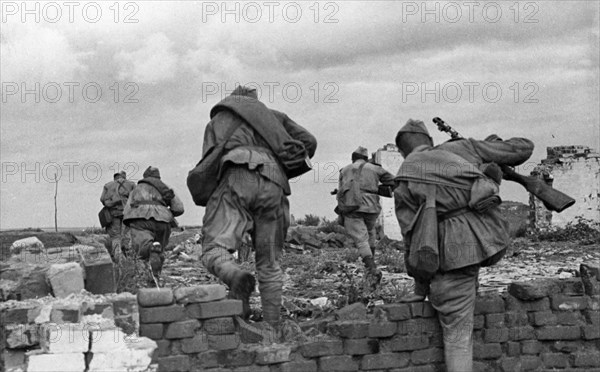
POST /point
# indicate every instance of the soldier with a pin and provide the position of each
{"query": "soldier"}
(114, 196)
(251, 196)
(361, 222)
(447, 207)
(149, 213)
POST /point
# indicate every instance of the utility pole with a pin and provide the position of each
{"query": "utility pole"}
(55, 205)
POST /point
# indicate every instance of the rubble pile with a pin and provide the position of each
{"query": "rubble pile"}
(32, 270)
(80, 332)
(301, 238)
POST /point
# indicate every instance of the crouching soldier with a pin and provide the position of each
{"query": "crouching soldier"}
(149, 212)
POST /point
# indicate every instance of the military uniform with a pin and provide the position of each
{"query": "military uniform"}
(149, 212)
(251, 197)
(114, 196)
(466, 240)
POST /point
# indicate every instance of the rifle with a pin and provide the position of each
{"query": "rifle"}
(553, 199)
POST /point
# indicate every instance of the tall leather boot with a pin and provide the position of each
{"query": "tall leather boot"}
(372, 274)
(241, 284)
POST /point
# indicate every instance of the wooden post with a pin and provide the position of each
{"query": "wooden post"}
(55, 206)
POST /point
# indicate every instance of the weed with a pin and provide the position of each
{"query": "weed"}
(581, 230)
(309, 220)
(393, 259)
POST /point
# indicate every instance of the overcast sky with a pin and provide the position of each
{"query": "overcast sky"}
(90, 88)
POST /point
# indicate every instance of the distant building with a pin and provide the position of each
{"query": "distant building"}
(574, 170)
(391, 160)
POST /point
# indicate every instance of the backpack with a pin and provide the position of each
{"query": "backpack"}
(349, 196)
(203, 180)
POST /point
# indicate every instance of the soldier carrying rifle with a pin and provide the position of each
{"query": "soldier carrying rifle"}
(447, 207)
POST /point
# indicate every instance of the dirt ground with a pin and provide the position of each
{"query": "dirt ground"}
(319, 281)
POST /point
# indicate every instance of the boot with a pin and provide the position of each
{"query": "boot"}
(156, 260)
(372, 273)
(241, 285)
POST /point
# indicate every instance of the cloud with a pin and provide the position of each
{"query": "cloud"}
(153, 63)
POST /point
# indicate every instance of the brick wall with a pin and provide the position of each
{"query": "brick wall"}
(77, 333)
(536, 325)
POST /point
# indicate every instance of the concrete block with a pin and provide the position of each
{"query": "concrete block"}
(217, 309)
(489, 304)
(382, 329)
(349, 329)
(182, 329)
(508, 364)
(296, 366)
(569, 317)
(242, 356)
(174, 363)
(100, 275)
(200, 293)
(531, 347)
(530, 362)
(108, 340)
(542, 318)
(571, 287)
(219, 326)
(273, 354)
(555, 360)
(494, 320)
(562, 302)
(478, 321)
(418, 326)
(383, 361)
(566, 346)
(65, 338)
(196, 344)
(338, 363)
(361, 346)
(397, 312)
(223, 342)
(66, 362)
(588, 358)
(491, 335)
(65, 313)
(534, 289)
(14, 360)
(516, 319)
(558, 333)
(65, 279)
(163, 348)
(513, 349)
(31, 244)
(487, 351)
(126, 312)
(150, 297)
(514, 304)
(355, 311)
(162, 314)
(322, 348)
(21, 313)
(590, 332)
(105, 309)
(427, 356)
(405, 343)
(521, 333)
(152, 330)
(132, 356)
(20, 336)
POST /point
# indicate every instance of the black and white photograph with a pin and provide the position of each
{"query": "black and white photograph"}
(310, 185)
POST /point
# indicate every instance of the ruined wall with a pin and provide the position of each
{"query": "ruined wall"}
(390, 161)
(579, 178)
(537, 325)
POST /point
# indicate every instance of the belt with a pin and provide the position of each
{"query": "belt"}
(453, 213)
